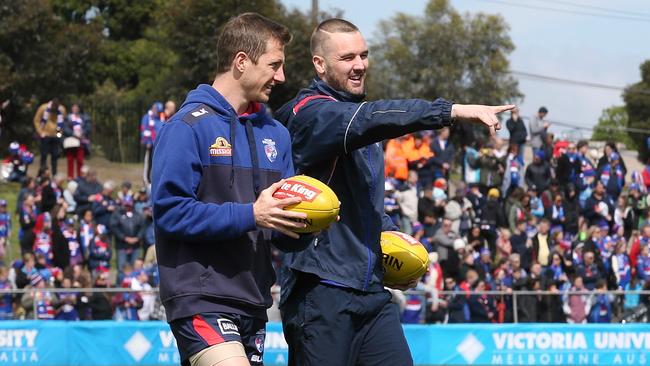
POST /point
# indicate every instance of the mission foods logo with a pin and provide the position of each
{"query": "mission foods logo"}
(292, 188)
(221, 147)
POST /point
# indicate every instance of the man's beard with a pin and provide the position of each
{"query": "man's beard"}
(341, 85)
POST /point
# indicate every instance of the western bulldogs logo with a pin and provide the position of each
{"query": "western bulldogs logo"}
(270, 150)
(259, 342)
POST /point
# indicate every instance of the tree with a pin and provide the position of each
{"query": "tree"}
(443, 54)
(611, 127)
(42, 57)
(637, 105)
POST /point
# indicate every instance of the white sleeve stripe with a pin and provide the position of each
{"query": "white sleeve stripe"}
(345, 138)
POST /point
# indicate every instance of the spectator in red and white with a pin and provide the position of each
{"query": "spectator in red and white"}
(577, 304)
(638, 242)
(76, 139)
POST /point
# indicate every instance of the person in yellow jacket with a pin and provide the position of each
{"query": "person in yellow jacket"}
(48, 122)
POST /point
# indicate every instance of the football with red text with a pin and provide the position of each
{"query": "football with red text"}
(319, 202)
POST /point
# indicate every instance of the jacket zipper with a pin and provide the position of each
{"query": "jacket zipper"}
(371, 195)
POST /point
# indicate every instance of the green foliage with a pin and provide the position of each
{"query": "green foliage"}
(610, 127)
(443, 54)
(42, 57)
(637, 105)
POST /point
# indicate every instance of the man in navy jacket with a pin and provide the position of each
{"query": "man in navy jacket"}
(334, 307)
(216, 165)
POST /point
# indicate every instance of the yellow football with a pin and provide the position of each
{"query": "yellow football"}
(319, 202)
(404, 258)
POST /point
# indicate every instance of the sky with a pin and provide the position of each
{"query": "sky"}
(562, 44)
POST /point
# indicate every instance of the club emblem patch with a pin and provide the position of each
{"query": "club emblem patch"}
(270, 150)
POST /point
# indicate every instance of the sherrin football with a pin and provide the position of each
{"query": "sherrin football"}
(319, 202)
(404, 258)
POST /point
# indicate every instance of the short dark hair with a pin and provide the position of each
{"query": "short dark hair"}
(332, 25)
(543, 110)
(248, 33)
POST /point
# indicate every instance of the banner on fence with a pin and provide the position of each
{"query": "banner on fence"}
(53, 343)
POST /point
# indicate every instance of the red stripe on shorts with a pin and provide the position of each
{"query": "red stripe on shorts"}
(203, 329)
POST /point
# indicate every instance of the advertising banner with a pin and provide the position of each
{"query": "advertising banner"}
(57, 343)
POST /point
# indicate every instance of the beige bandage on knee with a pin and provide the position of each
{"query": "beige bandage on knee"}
(213, 355)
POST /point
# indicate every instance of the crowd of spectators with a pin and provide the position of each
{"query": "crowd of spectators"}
(76, 232)
(571, 219)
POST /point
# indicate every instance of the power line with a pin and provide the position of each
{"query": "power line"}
(567, 11)
(599, 8)
(577, 82)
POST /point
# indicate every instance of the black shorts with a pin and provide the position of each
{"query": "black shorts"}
(201, 331)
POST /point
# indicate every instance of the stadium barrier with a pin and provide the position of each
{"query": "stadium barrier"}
(53, 343)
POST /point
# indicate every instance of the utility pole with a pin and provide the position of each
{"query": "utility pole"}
(314, 13)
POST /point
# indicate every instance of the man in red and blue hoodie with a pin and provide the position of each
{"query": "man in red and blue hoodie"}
(216, 164)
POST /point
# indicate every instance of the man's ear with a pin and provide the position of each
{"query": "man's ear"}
(319, 64)
(240, 62)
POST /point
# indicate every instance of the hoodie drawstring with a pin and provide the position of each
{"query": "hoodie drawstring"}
(233, 127)
(253, 150)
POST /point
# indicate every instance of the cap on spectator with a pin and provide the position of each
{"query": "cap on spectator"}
(485, 251)
(635, 187)
(459, 244)
(69, 221)
(589, 172)
(14, 147)
(126, 184)
(3, 203)
(109, 185)
(440, 183)
(493, 193)
(143, 189)
(127, 201)
(433, 257)
(540, 154)
(614, 156)
(543, 110)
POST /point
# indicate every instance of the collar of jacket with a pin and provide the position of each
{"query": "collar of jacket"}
(324, 88)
